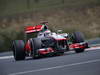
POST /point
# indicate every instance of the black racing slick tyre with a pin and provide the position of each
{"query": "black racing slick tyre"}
(78, 37)
(35, 46)
(18, 50)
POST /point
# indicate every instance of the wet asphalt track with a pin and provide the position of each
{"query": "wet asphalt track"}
(71, 63)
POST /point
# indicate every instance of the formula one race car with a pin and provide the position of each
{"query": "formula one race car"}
(41, 41)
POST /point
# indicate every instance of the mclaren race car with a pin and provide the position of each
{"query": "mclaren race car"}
(40, 41)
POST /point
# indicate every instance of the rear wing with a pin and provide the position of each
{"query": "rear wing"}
(32, 29)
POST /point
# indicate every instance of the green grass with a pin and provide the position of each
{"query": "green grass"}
(9, 7)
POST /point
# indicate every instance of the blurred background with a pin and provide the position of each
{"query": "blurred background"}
(68, 15)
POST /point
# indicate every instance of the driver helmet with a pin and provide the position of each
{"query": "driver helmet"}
(47, 33)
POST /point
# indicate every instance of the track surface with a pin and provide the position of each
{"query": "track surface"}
(71, 63)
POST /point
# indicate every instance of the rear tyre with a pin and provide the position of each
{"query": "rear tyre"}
(78, 37)
(35, 45)
(18, 50)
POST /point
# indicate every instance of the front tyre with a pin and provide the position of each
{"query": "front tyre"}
(35, 46)
(18, 50)
(78, 37)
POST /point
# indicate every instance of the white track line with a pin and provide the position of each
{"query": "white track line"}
(92, 48)
(6, 57)
(56, 67)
